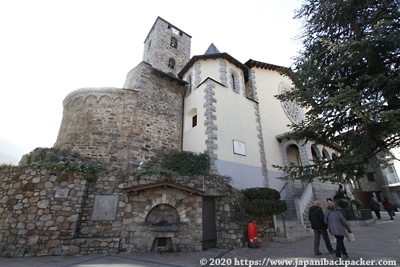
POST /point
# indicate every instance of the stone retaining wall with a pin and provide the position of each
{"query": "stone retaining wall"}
(48, 212)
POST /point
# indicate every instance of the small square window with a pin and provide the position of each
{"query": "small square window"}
(175, 31)
(371, 177)
(194, 120)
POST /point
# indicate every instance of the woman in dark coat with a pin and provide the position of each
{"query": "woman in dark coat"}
(337, 226)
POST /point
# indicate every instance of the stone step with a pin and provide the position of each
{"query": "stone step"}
(290, 229)
(293, 231)
(288, 223)
(289, 239)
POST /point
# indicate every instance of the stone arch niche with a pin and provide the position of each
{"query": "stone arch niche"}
(163, 220)
(165, 217)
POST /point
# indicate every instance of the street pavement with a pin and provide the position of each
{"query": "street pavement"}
(376, 244)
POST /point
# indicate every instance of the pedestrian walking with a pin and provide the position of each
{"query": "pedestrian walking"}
(374, 206)
(341, 192)
(316, 218)
(337, 226)
(388, 207)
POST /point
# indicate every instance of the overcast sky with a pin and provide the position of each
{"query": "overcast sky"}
(49, 48)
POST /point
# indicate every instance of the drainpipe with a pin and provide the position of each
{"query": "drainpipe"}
(183, 115)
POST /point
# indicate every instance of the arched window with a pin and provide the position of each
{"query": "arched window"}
(233, 82)
(189, 84)
(174, 42)
(293, 155)
(314, 153)
(148, 48)
(171, 63)
(325, 155)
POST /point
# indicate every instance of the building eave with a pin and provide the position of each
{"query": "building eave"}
(287, 136)
(258, 64)
(226, 56)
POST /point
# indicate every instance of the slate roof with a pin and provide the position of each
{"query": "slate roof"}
(213, 53)
(212, 49)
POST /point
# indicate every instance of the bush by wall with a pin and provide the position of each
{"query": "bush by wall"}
(262, 202)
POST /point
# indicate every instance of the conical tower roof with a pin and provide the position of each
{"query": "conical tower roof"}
(212, 49)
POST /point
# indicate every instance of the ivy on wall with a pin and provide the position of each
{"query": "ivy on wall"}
(185, 162)
(66, 160)
(178, 162)
(171, 163)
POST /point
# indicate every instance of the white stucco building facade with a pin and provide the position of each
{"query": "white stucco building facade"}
(231, 112)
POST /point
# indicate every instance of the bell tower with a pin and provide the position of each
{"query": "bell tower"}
(166, 47)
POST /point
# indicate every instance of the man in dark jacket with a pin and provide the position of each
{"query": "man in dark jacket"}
(374, 205)
(388, 207)
(316, 217)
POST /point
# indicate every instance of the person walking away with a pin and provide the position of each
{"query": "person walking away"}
(316, 218)
(388, 207)
(341, 192)
(374, 206)
(337, 226)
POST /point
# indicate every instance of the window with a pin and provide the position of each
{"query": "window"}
(190, 119)
(355, 184)
(234, 81)
(391, 175)
(194, 120)
(293, 155)
(371, 177)
(171, 63)
(175, 31)
(174, 42)
(189, 84)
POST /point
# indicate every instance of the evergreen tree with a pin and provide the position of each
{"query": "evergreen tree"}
(347, 78)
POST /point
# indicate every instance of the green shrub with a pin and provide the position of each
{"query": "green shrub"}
(261, 208)
(261, 193)
(262, 202)
(356, 203)
(343, 203)
(66, 160)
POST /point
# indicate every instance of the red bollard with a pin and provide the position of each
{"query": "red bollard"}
(252, 234)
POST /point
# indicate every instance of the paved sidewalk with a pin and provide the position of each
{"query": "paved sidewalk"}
(379, 241)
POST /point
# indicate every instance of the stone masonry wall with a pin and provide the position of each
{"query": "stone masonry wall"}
(36, 219)
(140, 234)
(121, 127)
(48, 212)
(158, 50)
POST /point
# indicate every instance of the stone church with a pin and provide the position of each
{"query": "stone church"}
(205, 103)
(209, 103)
